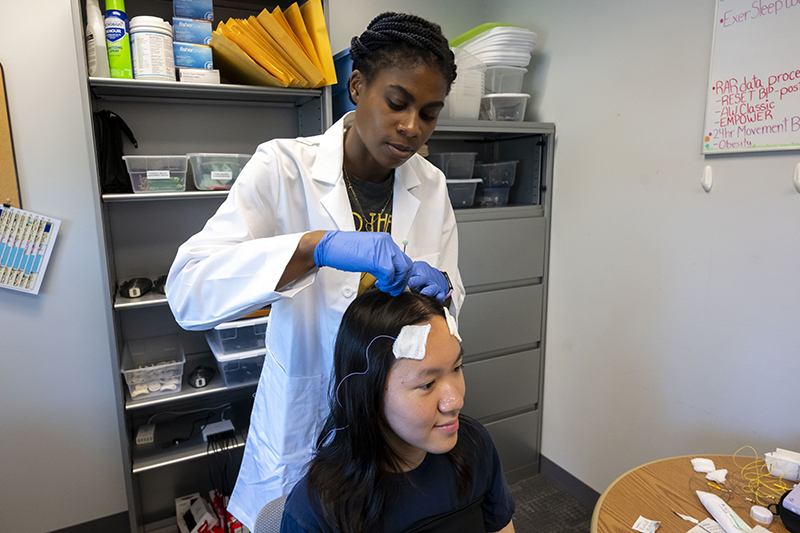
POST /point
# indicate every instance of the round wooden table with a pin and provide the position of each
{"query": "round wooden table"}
(655, 489)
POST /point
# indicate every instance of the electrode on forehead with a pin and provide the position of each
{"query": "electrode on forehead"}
(451, 323)
(411, 342)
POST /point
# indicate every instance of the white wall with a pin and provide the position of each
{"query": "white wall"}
(673, 314)
(61, 462)
(350, 17)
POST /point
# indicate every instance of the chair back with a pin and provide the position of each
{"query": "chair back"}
(269, 518)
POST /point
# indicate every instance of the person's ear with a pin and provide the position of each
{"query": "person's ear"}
(356, 85)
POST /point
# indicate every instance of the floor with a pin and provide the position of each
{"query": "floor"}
(542, 507)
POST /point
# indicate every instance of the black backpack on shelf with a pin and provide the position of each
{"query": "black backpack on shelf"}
(108, 130)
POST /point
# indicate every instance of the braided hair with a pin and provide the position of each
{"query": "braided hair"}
(399, 38)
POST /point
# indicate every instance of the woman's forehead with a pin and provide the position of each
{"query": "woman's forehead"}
(418, 80)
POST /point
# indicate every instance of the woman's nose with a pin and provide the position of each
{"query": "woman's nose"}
(452, 399)
(410, 125)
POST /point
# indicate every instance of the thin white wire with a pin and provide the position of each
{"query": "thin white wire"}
(366, 353)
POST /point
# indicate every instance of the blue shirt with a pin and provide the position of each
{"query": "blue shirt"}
(427, 491)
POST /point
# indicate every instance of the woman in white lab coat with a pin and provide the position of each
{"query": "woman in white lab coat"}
(305, 225)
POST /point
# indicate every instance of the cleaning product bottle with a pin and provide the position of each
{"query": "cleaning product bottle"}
(96, 41)
(118, 40)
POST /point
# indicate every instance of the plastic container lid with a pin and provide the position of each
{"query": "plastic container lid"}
(148, 23)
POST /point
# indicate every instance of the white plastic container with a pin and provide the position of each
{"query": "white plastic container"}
(504, 79)
(153, 366)
(151, 44)
(506, 106)
(157, 173)
(216, 171)
(239, 350)
(464, 100)
(462, 192)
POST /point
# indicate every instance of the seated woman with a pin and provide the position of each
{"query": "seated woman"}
(394, 454)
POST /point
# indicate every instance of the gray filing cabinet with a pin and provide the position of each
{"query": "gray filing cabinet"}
(503, 259)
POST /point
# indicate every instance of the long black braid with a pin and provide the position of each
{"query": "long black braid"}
(399, 38)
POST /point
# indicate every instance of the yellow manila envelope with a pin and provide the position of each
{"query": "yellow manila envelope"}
(295, 20)
(292, 51)
(271, 47)
(233, 31)
(315, 25)
(237, 66)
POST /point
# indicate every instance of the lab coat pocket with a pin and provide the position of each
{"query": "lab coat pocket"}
(293, 414)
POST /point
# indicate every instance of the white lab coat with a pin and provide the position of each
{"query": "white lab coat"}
(232, 267)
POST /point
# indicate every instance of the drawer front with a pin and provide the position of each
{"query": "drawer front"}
(496, 320)
(516, 440)
(502, 384)
(497, 251)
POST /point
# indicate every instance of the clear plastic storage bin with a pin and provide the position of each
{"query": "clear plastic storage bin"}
(153, 366)
(492, 197)
(462, 192)
(504, 107)
(504, 79)
(239, 350)
(216, 171)
(455, 165)
(500, 174)
(232, 338)
(157, 173)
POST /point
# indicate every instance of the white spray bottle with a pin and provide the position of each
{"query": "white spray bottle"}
(96, 53)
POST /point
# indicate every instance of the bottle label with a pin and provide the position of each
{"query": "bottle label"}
(91, 53)
(116, 25)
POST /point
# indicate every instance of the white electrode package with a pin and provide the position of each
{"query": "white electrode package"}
(783, 463)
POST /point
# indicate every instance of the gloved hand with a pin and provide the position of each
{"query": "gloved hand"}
(374, 253)
(428, 280)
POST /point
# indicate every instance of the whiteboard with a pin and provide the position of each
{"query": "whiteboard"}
(753, 98)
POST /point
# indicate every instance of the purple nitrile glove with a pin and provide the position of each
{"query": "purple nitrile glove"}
(374, 253)
(428, 280)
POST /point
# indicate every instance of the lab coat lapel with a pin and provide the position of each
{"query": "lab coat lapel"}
(327, 175)
(406, 204)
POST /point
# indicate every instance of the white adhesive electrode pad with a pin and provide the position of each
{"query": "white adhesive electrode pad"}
(703, 465)
(718, 475)
(451, 324)
(411, 342)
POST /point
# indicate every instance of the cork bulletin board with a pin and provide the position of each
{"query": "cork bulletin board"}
(9, 183)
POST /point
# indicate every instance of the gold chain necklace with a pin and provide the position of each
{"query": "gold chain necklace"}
(358, 204)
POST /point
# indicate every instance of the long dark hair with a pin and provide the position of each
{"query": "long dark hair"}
(393, 39)
(352, 476)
